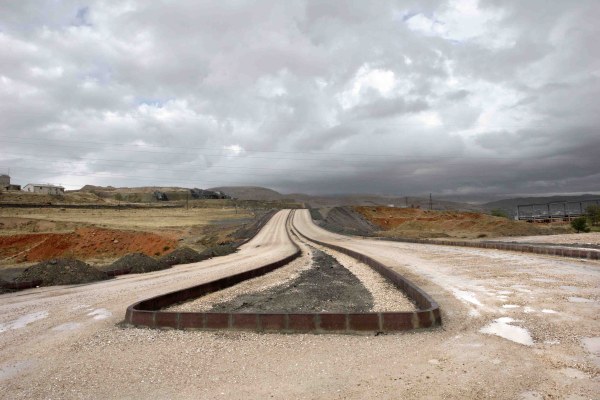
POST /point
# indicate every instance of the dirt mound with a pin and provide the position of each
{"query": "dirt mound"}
(139, 263)
(3, 288)
(347, 220)
(183, 255)
(84, 243)
(417, 223)
(62, 272)
(221, 250)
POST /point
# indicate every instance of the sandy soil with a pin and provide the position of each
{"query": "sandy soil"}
(418, 223)
(131, 219)
(83, 243)
(515, 326)
(99, 237)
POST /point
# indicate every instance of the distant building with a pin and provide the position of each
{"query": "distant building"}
(207, 194)
(5, 183)
(43, 188)
(160, 196)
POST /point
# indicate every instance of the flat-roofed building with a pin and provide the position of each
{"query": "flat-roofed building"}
(43, 188)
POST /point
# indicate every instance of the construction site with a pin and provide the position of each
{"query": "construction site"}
(226, 285)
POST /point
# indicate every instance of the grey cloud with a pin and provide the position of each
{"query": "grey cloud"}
(382, 108)
(179, 82)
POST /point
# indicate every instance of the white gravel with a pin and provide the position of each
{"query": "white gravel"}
(567, 238)
(386, 297)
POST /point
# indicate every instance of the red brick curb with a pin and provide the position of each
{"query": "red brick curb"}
(147, 313)
(525, 248)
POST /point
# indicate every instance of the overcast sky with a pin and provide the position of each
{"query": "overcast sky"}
(389, 97)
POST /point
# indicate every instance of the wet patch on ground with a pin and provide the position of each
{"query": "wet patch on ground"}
(326, 287)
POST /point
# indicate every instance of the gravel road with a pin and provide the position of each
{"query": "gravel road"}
(515, 326)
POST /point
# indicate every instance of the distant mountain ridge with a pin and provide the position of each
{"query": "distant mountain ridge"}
(261, 193)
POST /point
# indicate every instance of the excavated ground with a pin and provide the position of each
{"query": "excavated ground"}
(83, 243)
(416, 223)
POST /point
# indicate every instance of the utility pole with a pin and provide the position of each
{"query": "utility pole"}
(430, 202)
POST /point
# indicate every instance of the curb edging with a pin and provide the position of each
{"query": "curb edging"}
(147, 313)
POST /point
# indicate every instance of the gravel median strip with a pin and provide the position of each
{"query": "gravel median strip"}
(385, 295)
(279, 276)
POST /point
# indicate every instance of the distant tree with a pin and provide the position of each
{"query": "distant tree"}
(580, 224)
(593, 214)
(498, 212)
(119, 197)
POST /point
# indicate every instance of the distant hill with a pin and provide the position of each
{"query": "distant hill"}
(261, 193)
(509, 206)
(250, 193)
(139, 189)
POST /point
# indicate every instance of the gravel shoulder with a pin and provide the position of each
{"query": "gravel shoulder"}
(591, 239)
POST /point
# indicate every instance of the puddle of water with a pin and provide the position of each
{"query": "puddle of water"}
(528, 310)
(521, 288)
(510, 306)
(548, 311)
(501, 327)
(549, 280)
(592, 344)
(570, 288)
(8, 371)
(69, 326)
(474, 313)
(504, 292)
(574, 373)
(23, 321)
(580, 300)
(468, 297)
(100, 313)
(531, 395)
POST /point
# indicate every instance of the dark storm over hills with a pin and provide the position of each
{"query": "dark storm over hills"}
(466, 99)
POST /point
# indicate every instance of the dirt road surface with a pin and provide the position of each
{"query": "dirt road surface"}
(515, 326)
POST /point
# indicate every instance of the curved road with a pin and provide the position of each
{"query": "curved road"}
(515, 326)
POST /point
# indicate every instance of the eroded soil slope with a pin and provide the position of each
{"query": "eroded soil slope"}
(418, 223)
(83, 243)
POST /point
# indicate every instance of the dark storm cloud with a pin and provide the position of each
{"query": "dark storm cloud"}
(458, 97)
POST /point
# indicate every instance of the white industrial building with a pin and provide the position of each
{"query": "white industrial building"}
(43, 188)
